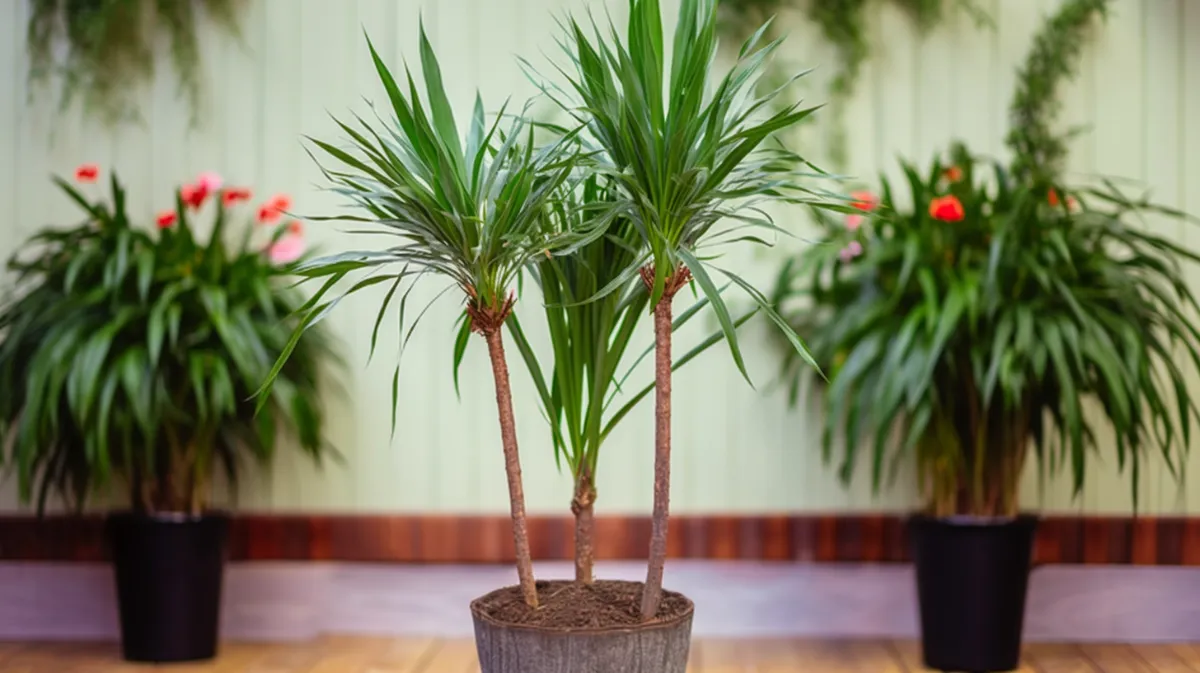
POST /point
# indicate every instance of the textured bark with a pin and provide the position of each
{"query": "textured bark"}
(512, 465)
(662, 457)
(661, 647)
(583, 507)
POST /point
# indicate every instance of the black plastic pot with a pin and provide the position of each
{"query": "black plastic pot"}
(972, 576)
(168, 570)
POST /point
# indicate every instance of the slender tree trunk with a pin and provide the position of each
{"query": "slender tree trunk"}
(512, 465)
(652, 593)
(582, 506)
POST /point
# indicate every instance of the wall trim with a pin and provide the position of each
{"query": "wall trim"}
(814, 538)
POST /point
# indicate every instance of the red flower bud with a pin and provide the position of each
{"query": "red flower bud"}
(271, 210)
(1052, 197)
(193, 195)
(947, 209)
(87, 173)
(954, 174)
(166, 219)
(864, 200)
(234, 195)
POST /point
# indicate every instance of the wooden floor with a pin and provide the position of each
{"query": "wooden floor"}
(388, 655)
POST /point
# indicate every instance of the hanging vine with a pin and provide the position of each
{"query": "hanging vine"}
(100, 51)
(843, 24)
(1039, 150)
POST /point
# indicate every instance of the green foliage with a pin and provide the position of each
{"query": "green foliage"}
(131, 354)
(591, 338)
(682, 156)
(964, 339)
(468, 212)
(108, 47)
(1040, 149)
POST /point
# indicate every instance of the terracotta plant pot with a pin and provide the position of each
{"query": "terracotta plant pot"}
(661, 646)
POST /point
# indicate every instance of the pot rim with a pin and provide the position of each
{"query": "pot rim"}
(974, 521)
(686, 615)
(168, 517)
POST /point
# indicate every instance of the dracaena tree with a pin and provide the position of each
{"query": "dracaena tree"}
(693, 157)
(591, 342)
(467, 212)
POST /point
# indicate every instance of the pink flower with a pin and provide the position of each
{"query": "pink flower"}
(87, 173)
(165, 219)
(286, 250)
(853, 222)
(209, 182)
(853, 249)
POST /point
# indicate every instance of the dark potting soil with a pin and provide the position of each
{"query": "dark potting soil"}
(568, 605)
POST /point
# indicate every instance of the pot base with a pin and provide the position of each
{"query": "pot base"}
(660, 646)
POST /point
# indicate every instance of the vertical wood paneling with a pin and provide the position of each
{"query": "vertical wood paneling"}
(737, 448)
(1162, 109)
(1119, 149)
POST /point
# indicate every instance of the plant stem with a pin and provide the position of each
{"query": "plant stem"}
(652, 592)
(512, 465)
(582, 506)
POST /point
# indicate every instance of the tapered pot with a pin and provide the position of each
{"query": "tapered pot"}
(972, 579)
(169, 570)
(656, 647)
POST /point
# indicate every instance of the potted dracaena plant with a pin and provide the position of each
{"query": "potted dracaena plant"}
(670, 165)
(976, 324)
(129, 354)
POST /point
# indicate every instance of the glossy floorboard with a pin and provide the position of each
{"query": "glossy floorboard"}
(431, 655)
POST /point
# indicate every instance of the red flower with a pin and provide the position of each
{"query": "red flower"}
(1052, 197)
(267, 214)
(294, 227)
(193, 195)
(864, 200)
(947, 209)
(953, 174)
(271, 210)
(87, 173)
(235, 195)
(166, 219)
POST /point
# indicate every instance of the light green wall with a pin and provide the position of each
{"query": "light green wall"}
(736, 449)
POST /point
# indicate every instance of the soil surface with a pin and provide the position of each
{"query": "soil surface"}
(568, 605)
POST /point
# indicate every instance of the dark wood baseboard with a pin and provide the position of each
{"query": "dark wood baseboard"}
(1170, 541)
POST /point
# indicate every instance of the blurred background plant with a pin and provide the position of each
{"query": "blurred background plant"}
(101, 51)
(133, 352)
(976, 313)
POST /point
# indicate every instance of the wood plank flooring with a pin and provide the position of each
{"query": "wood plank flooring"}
(431, 655)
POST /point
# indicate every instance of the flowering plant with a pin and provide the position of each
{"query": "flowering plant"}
(977, 321)
(132, 351)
